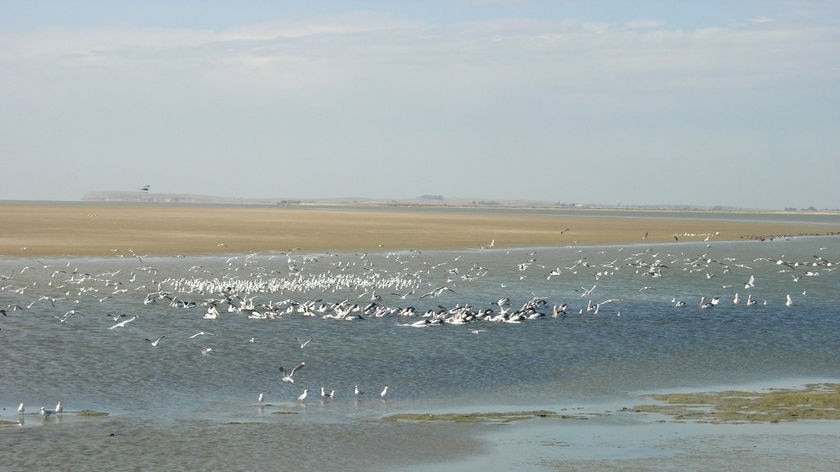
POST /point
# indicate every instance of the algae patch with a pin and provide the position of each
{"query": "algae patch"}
(91, 413)
(814, 402)
(480, 417)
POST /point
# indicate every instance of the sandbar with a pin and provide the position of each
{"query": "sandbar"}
(99, 229)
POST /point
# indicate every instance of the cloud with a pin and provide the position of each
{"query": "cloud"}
(369, 87)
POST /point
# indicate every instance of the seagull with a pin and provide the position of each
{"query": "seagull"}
(66, 316)
(324, 393)
(156, 341)
(750, 282)
(287, 377)
(46, 412)
(437, 292)
(21, 409)
(122, 324)
(260, 399)
(302, 396)
(788, 300)
(58, 408)
(356, 392)
(384, 392)
(302, 343)
(201, 333)
(205, 351)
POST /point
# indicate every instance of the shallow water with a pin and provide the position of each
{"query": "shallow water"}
(637, 342)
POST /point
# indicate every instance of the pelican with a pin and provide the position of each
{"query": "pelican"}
(212, 313)
(287, 377)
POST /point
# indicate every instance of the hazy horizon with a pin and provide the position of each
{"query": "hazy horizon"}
(707, 104)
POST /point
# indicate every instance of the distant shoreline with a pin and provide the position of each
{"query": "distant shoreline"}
(107, 228)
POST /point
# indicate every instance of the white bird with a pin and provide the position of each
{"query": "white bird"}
(260, 399)
(46, 412)
(788, 300)
(205, 351)
(21, 409)
(212, 313)
(302, 343)
(201, 333)
(287, 377)
(302, 396)
(436, 292)
(156, 341)
(324, 393)
(122, 324)
(750, 282)
(58, 408)
(384, 392)
(356, 391)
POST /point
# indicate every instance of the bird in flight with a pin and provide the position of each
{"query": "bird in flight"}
(145, 188)
(288, 376)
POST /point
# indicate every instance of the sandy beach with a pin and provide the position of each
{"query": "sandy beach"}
(92, 229)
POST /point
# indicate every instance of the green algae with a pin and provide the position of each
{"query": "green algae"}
(91, 413)
(480, 417)
(813, 402)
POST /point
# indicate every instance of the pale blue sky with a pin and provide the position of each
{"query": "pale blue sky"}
(733, 103)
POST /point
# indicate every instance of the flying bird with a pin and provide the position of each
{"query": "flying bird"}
(288, 376)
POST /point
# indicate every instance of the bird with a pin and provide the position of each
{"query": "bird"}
(21, 409)
(436, 292)
(122, 324)
(302, 343)
(58, 408)
(260, 399)
(356, 391)
(788, 300)
(287, 376)
(145, 188)
(325, 394)
(201, 333)
(302, 396)
(156, 341)
(384, 392)
(46, 413)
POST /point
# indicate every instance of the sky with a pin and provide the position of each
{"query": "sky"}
(707, 103)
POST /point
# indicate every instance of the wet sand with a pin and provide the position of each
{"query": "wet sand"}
(93, 229)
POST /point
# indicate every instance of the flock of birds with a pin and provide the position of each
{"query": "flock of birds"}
(43, 412)
(406, 287)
